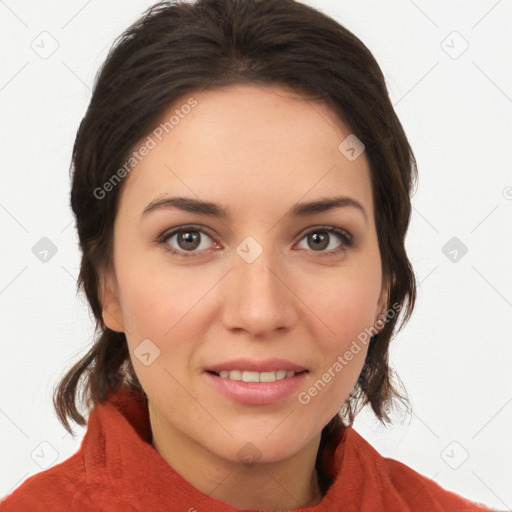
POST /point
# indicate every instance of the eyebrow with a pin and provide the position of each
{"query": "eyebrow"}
(189, 204)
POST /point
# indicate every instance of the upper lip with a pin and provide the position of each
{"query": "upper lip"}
(252, 365)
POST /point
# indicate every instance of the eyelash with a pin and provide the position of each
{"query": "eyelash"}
(347, 240)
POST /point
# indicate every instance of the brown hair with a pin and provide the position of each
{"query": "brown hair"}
(178, 48)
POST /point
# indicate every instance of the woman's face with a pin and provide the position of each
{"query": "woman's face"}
(260, 287)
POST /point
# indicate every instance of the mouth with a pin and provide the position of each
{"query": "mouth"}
(253, 376)
(250, 387)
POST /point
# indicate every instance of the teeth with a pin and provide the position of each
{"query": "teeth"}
(235, 375)
(250, 376)
(247, 376)
(267, 377)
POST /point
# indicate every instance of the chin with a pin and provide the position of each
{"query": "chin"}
(265, 448)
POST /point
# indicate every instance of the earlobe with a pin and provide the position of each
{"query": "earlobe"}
(111, 308)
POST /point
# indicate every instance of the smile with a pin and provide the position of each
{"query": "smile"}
(248, 376)
(251, 388)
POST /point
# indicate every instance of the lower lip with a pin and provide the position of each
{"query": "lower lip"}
(257, 393)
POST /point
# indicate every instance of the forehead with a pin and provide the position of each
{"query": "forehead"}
(245, 144)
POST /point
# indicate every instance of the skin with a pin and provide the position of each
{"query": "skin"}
(256, 151)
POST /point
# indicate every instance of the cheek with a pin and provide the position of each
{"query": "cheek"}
(345, 302)
(153, 296)
(157, 307)
(343, 351)
(143, 309)
(347, 309)
(168, 307)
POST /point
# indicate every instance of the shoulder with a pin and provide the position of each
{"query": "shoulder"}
(418, 489)
(55, 488)
(400, 484)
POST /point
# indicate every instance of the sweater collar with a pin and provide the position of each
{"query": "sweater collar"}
(117, 449)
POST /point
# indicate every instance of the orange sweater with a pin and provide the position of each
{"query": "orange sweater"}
(117, 469)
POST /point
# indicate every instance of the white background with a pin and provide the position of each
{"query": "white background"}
(454, 355)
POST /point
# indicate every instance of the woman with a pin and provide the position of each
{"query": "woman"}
(241, 188)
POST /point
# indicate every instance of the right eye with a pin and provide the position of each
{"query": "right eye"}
(186, 241)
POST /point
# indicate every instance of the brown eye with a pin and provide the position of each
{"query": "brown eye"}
(323, 240)
(186, 241)
(319, 240)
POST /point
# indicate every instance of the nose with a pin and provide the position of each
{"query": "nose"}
(259, 297)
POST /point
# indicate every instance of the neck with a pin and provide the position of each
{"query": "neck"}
(286, 484)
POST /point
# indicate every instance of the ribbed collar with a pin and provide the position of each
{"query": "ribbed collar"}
(117, 449)
(123, 466)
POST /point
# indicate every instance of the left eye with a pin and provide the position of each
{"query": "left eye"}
(321, 240)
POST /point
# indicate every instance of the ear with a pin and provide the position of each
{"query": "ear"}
(382, 303)
(109, 296)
